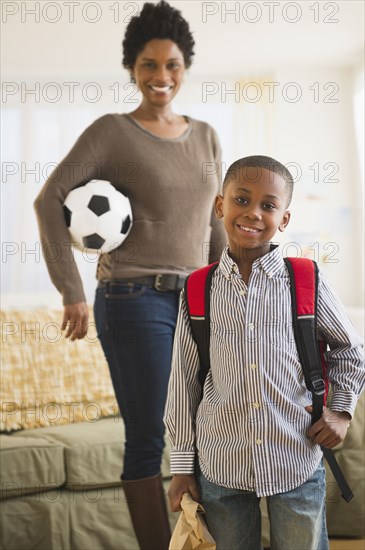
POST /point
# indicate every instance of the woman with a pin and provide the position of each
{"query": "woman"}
(158, 159)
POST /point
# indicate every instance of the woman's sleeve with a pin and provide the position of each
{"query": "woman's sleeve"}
(79, 166)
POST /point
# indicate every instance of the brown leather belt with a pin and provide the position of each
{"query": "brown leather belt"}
(161, 282)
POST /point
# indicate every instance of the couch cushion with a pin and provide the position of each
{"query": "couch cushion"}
(62, 520)
(93, 451)
(346, 519)
(100, 519)
(40, 521)
(47, 380)
(30, 465)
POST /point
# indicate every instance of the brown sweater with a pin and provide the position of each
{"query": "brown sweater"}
(171, 184)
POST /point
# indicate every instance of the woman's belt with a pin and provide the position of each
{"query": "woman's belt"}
(161, 282)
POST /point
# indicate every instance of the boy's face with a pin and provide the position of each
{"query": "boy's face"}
(253, 208)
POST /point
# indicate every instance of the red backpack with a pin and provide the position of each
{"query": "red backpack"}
(303, 275)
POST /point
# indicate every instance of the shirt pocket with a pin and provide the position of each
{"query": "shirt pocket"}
(281, 334)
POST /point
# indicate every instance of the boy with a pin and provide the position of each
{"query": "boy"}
(250, 434)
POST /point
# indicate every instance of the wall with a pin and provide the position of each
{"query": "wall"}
(300, 113)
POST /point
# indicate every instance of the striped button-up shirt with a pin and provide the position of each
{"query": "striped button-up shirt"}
(249, 429)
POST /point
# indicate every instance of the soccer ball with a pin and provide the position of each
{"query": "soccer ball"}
(98, 216)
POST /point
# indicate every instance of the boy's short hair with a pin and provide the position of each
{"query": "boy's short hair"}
(160, 21)
(259, 161)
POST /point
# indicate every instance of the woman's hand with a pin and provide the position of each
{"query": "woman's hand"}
(330, 429)
(179, 485)
(75, 319)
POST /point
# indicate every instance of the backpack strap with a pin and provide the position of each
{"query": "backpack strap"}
(197, 298)
(303, 274)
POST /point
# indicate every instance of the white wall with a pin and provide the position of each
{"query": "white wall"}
(314, 132)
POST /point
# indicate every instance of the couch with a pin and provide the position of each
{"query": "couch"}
(62, 446)
(61, 441)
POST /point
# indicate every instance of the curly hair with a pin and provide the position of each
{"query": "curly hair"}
(157, 21)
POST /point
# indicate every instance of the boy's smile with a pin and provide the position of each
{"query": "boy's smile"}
(253, 208)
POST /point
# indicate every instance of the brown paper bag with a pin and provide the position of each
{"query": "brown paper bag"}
(191, 531)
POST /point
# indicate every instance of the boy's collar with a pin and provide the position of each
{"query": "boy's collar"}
(270, 262)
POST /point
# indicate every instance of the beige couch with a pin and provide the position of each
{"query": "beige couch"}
(62, 446)
(62, 458)
(61, 490)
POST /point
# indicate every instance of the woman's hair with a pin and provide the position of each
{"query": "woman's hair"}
(157, 21)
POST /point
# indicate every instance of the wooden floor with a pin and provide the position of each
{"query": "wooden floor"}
(347, 544)
(344, 544)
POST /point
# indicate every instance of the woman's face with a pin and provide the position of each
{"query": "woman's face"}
(158, 71)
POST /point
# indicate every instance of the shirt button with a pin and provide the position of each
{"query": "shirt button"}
(251, 326)
(242, 292)
(253, 366)
(256, 405)
(258, 441)
(270, 274)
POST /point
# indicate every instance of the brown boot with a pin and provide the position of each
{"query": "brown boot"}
(147, 507)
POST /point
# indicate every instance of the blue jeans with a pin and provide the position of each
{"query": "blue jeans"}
(136, 326)
(297, 518)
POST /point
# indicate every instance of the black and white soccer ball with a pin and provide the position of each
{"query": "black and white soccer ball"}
(98, 216)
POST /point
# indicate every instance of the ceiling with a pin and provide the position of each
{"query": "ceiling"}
(231, 37)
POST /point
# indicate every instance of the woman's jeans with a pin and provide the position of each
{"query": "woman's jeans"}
(297, 518)
(136, 325)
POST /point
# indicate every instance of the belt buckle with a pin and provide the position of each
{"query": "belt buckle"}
(158, 283)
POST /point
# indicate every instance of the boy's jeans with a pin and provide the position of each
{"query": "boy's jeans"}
(297, 518)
